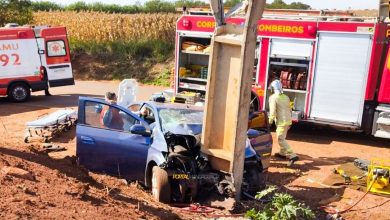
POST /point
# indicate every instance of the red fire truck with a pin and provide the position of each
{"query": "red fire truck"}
(334, 69)
(32, 59)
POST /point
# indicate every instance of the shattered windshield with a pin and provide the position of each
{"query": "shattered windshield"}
(181, 119)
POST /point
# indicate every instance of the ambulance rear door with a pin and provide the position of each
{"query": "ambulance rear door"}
(56, 57)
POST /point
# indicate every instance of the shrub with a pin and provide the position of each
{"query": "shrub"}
(45, 6)
(15, 12)
(282, 207)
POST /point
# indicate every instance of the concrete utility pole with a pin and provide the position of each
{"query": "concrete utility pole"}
(229, 87)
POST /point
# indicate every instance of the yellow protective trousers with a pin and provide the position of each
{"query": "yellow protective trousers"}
(285, 149)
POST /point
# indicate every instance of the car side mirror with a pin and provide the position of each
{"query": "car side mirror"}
(251, 133)
(140, 130)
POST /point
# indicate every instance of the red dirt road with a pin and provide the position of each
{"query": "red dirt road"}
(321, 150)
(63, 190)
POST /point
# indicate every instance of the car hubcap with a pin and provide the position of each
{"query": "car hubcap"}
(19, 93)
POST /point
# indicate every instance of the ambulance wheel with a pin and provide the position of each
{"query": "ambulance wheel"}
(19, 92)
(161, 187)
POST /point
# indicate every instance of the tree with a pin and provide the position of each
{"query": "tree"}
(78, 6)
(15, 11)
(280, 4)
(299, 5)
(46, 6)
(190, 3)
(153, 6)
(131, 9)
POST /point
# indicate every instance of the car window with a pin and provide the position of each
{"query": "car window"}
(56, 48)
(147, 114)
(109, 117)
(173, 117)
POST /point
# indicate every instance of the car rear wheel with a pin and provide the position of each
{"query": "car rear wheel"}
(161, 187)
(19, 92)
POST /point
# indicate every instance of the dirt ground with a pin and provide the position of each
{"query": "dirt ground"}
(61, 189)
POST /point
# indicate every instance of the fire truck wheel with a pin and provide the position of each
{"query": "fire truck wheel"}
(161, 187)
(19, 92)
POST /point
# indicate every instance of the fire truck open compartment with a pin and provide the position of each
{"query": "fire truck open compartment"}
(193, 62)
(290, 61)
(193, 59)
(332, 68)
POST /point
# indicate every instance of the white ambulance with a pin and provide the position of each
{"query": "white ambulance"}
(33, 59)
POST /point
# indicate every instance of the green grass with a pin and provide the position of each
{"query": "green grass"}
(162, 79)
(282, 206)
(153, 49)
(119, 60)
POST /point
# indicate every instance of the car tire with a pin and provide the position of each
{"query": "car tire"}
(19, 92)
(254, 177)
(161, 187)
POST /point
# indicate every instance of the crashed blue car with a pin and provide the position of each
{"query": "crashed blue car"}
(159, 145)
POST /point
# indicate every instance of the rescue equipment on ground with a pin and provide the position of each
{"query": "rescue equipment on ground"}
(50, 125)
(361, 164)
(379, 176)
(347, 178)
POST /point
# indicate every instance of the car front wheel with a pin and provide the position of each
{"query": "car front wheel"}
(161, 188)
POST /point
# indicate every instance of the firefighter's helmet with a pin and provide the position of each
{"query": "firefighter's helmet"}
(276, 86)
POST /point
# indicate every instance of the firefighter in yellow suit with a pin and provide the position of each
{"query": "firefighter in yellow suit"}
(280, 112)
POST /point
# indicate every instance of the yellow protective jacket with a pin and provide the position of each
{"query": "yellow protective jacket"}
(280, 110)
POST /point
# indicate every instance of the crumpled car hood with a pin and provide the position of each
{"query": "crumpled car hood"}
(184, 129)
(196, 130)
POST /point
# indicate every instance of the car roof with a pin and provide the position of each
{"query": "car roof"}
(160, 105)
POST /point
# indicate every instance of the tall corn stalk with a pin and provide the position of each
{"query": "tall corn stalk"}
(101, 27)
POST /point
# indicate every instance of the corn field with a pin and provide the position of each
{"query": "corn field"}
(101, 27)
